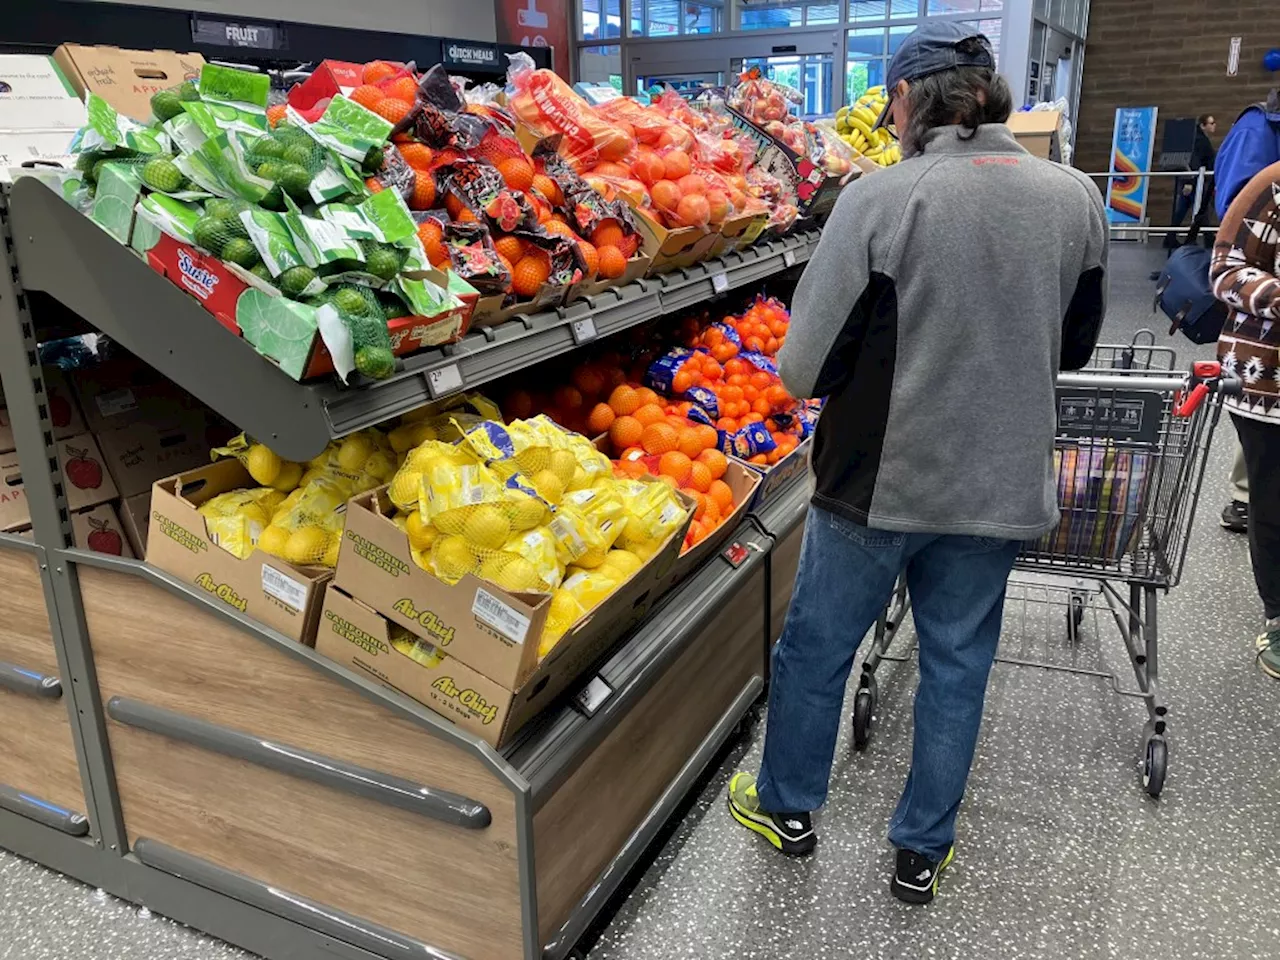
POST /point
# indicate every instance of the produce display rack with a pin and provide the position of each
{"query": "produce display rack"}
(160, 745)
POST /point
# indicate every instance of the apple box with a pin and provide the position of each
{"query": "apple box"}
(139, 454)
(85, 483)
(494, 631)
(126, 79)
(99, 529)
(64, 412)
(274, 592)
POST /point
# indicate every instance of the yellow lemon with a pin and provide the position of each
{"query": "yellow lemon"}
(524, 511)
(563, 464)
(325, 456)
(421, 557)
(354, 451)
(593, 557)
(263, 465)
(401, 520)
(414, 416)
(487, 527)
(493, 565)
(623, 562)
(452, 559)
(381, 466)
(581, 480)
(549, 486)
(519, 576)
(331, 554)
(270, 501)
(273, 540)
(404, 488)
(421, 534)
(287, 477)
(450, 522)
(306, 545)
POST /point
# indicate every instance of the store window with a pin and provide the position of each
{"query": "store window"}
(675, 18)
(601, 19)
(868, 10)
(991, 30)
(860, 75)
(941, 7)
(757, 16)
(812, 75)
(601, 65)
(904, 9)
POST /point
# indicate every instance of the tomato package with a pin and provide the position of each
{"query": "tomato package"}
(548, 106)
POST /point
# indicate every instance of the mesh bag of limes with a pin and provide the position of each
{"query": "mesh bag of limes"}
(530, 508)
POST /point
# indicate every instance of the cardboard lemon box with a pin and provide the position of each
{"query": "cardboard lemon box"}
(492, 630)
(357, 636)
(64, 412)
(126, 79)
(85, 481)
(272, 591)
(140, 453)
(134, 515)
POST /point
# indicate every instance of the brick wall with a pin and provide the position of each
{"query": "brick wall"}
(1171, 54)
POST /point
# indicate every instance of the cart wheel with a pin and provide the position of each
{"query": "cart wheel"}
(1075, 616)
(864, 708)
(1154, 766)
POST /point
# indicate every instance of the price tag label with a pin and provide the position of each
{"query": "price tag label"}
(719, 282)
(788, 258)
(584, 330)
(735, 554)
(592, 697)
(444, 380)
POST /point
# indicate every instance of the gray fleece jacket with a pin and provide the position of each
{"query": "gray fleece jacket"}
(944, 296)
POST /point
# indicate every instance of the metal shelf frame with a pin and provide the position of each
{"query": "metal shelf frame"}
(46, 245)
(64, 254)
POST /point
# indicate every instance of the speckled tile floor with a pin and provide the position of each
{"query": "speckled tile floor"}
(1060, 855)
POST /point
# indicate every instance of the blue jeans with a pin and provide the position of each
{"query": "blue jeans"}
(846, 576)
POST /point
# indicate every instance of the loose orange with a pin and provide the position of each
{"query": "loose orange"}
(402, 88)
(720, 492)
(453, 205)
(700, 477)
(711, 519)
(587, 378)
(709, 436)
(512, 248)
(691, 442)
(607, 234)
(649, 413)
(625, 431)
(548, 188)
(432, 237)
(391, 109)
(376, 71)
(647, 396)
(632, 468)
(600, 419)
(465, 215)
(613, 263)
(517, 172)
(699, 504)
(716, 461)
(624, 400)
(659, 438)
(676, 465)
(424, 191)
(567, 398)
(417, 155)
(531, 272)
(590, 257)
(367, 95)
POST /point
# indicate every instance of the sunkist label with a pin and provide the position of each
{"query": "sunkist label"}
(380, 558)
(440, 632)
(473, 701)
(180, 534)
(349, 631)
(224, 592)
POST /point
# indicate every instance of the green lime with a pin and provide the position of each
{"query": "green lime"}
(377, 363)
(270, 170)
(294, 179)
(225, 209)
(373, 160)
(349, 300)
(163, 174)
(267, 147)
(262, 271)
(240, 251)
(211, 234)
(187, 91)
(383, 263)
(273, 199)
(166, 105)
(295, 280)
(309, 156)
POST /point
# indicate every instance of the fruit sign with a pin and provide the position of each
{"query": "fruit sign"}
(536, 23)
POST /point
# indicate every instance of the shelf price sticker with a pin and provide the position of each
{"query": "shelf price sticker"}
(444, 380)
(592, 697)
(502, 617)
(788, 258)
(287, 590)
(584, 330)
(720, 282)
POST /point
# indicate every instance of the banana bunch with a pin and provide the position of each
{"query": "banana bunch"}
(854, 123)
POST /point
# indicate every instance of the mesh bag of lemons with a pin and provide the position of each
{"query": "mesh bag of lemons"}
(529, 508)
(304, 505)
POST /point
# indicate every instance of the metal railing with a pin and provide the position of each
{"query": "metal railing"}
(1136, 229)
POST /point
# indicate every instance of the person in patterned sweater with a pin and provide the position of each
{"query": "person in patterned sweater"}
(1246, 277)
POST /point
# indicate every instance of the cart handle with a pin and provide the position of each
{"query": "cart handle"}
(1206, 377)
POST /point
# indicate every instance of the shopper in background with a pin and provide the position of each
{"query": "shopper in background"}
(1246, 276)
(945, 294)
(1252, 144)
(1202, 157)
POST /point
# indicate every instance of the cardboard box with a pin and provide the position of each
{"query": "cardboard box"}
(637, 267)
(126, 79)
(86, 482)
(99, 529)
(816, 191)
(356, 636)
(139, 454)
(64, 412)
(494, 631)
(39, 112)
(738, 232)
(778, 475)
(743, 481)
(1037, 131)
(134, 515)
(124, 391)
(278, 594)
(672, 249)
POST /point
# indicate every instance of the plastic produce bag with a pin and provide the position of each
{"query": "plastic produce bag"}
(236, 519)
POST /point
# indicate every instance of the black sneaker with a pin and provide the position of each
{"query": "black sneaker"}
(792, 833)
(1235, 517)
(916, 878)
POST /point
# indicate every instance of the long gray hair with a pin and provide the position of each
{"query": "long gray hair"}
(967, 96)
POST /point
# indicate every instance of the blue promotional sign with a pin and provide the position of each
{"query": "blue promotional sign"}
(1132, 144)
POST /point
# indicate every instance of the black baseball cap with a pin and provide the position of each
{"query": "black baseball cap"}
(931, 48)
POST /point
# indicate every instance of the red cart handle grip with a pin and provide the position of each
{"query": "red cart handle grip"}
(1189, 406)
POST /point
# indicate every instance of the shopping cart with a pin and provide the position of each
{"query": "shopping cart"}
(1132, 439)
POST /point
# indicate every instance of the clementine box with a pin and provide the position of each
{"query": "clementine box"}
(493, 631)
(274, 592)
(85, 481)
(357, 636)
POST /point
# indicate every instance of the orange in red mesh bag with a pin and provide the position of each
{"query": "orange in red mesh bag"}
(547, 105)
(647, 122)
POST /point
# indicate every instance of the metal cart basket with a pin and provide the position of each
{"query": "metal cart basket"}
(1132, 438)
